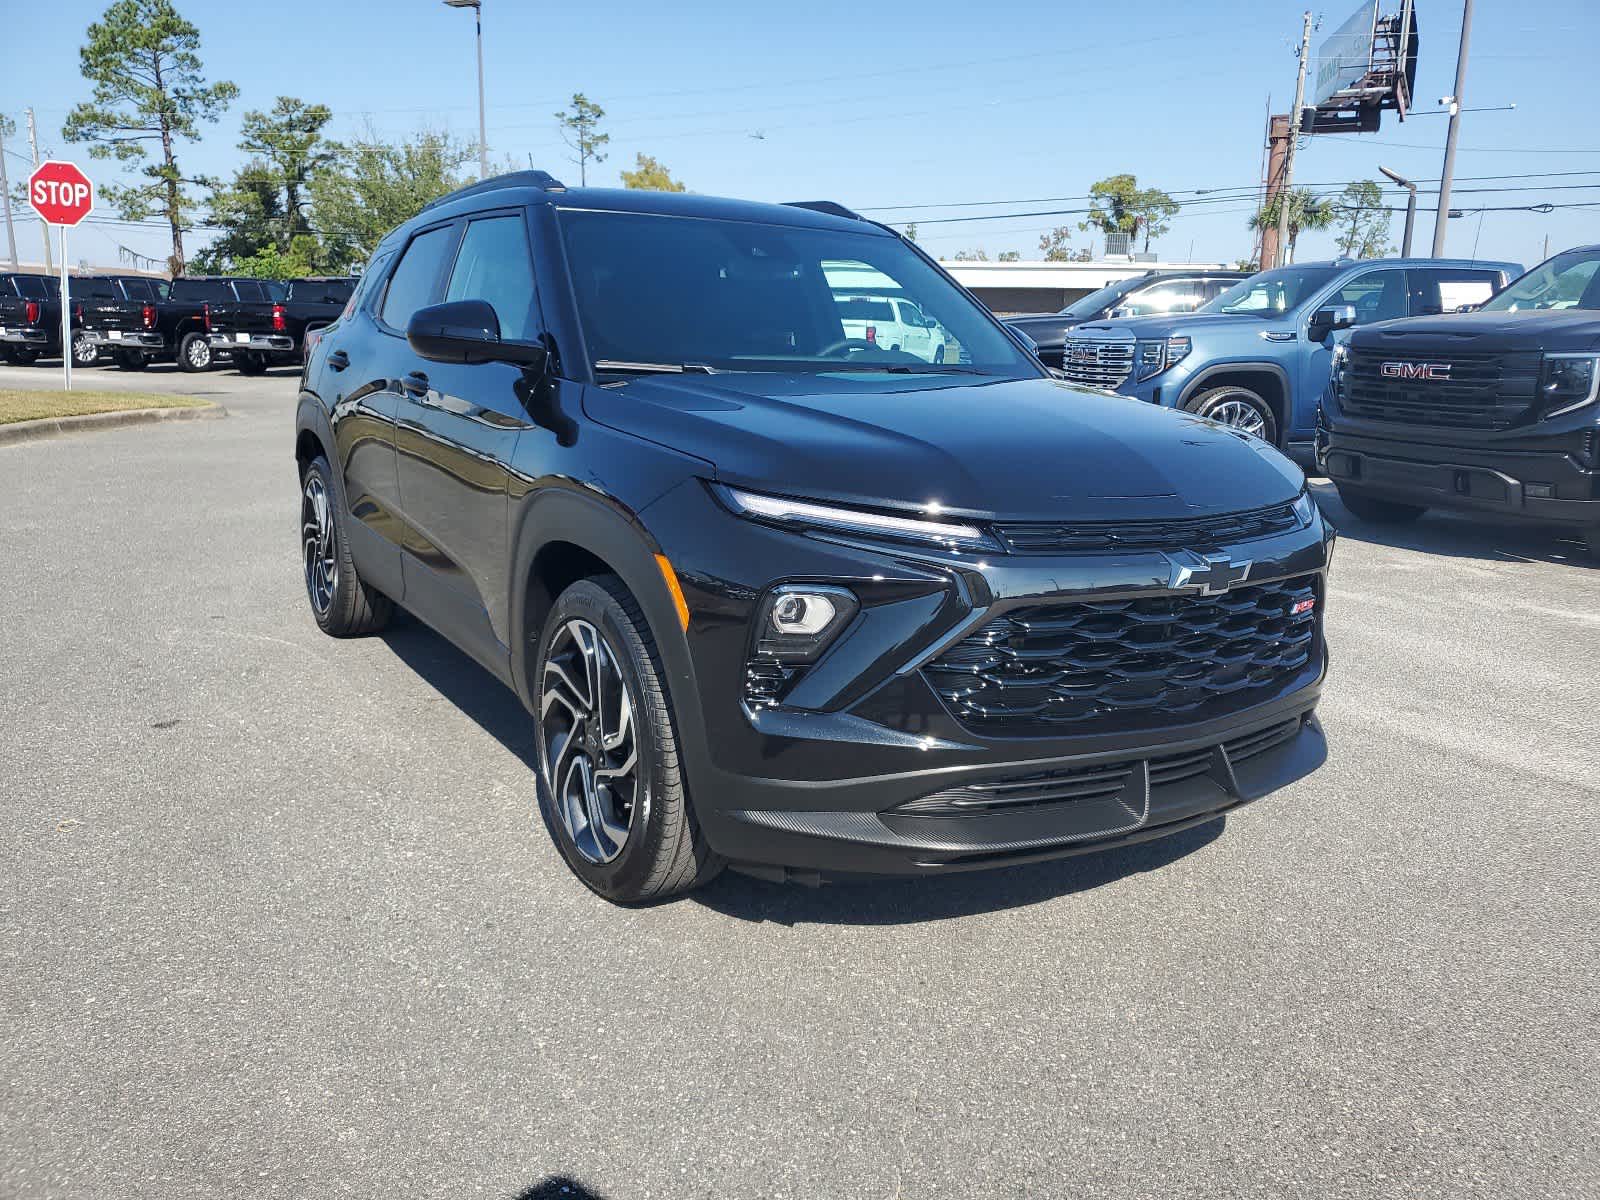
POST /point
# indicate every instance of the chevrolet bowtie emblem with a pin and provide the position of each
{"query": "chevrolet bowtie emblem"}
(1209, 574)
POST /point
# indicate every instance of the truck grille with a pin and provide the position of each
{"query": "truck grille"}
(1182, 533)
(1480, 391)
(1083, 666)
(1098, 364)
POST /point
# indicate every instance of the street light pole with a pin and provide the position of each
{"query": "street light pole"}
(1411, 209)
(483, 130)
(1442, 217)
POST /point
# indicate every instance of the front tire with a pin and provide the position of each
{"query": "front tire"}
(1239, 408)
(1380, 512)
(194, 352)
(611, 785)
(342, 604)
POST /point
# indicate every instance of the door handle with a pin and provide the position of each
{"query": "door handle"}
(415, 384)
(338, 360)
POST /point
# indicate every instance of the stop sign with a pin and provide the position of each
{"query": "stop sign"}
(60, 193)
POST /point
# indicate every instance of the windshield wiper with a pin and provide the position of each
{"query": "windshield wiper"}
(654, 368)
(906, 368)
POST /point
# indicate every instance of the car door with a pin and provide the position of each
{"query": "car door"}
(456, 430)
(1378, 294)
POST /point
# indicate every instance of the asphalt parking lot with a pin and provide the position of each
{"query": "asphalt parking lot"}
(277, 917)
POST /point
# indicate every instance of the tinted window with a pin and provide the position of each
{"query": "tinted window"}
(95, 289)
(143, 290)
(1097, 301)
(863, 308)
(1376, 296)
(494, 265)
(1570, 280)
(319, 291)
(1445, 289)
(1176, 296)
(207, 291)
(415, 282)
(749, 295)
(34, 287)
(1272, 292)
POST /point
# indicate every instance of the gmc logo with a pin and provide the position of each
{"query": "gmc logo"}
(1435, 372)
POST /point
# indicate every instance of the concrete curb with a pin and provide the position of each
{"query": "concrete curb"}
(48, 427)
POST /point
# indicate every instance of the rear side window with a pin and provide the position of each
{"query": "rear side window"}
(1445, 289)
(142, 290)
(494, 265)
(32, 287)
(415, 281)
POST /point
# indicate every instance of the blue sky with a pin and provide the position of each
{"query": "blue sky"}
(890, 105)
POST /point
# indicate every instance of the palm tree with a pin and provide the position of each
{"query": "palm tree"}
(1306, 211)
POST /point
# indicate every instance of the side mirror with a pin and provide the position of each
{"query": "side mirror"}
(1327, 320)
(1028, 343)
(466, 331)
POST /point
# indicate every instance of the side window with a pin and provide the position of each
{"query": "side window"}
(1445, 289)
(415, 281)
(1375, 295)
(1210, 289)
(1174, 296)
(494, 264)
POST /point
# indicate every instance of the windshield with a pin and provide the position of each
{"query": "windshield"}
(1272, 293)
(1096, 302)
(669, 292)
(319, 291)
(1570, 280)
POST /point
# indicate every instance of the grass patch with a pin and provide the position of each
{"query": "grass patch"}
(17, 404)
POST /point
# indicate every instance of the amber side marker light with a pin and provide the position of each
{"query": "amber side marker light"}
(675, 589)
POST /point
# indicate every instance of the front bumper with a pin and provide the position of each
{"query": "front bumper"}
(127, 339)
(268, 343)
(1544, 475)
(820, 782)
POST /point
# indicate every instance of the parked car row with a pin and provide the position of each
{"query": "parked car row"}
(194, 321)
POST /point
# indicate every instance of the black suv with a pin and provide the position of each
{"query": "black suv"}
(1493, 410)
(784, 598)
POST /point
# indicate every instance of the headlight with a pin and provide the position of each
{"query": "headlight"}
(1568, 381)
(1305, 508)
(1341, 359)
(1157, 355)
(807, 514)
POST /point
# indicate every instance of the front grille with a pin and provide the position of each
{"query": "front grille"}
(1099, 782)
(1481, 391)
(1091, 665)
(1098, 364)
(1181, 533)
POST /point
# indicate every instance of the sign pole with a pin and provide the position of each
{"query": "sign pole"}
(66, 316)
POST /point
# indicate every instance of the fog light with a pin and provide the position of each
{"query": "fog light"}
(803, 614)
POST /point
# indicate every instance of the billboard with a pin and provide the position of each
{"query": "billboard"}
(1345, 55)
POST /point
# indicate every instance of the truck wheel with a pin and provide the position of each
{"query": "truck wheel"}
(610, 783)
(194, 352)
(250, 363)
(938, 355)
(1382, 512)
(342, 604)
(1238, 407)
(131, 360)
(84, 352)
(24, 356)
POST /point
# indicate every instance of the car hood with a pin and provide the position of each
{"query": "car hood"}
(1169, 323)
(1016, 449)
(1493, 332)
(1042, 327)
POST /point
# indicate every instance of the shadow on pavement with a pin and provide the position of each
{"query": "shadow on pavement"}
(461, 681)
(1461, 535)
(914, 900)
(558, 1187)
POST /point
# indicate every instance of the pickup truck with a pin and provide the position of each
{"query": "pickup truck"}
(1259, 357)
(30, 317)
(1494, 410)
(893, 323)
(259, 333)
(170, 328)
(101, 289)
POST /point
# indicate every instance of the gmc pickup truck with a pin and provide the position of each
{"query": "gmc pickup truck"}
(259, 333)
(139, 332)
(30, 317)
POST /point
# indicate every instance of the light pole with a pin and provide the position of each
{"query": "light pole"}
(483, 135)
(1411, 209)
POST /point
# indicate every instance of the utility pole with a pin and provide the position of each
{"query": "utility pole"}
(5, 195)
(44, 230)
(1294, 139)
(1442, 217)
(1279, 135)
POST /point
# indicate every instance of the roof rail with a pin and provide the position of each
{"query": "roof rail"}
(825, 206)
(512, 179)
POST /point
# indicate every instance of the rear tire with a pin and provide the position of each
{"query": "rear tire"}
(633, 837)
(1381, 512)
(24, 356)
(194, 352)
(131, 360)
(1239, 408)
(84, 352)
(342, 605)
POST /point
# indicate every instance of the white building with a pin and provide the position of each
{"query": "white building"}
(1018, 287)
